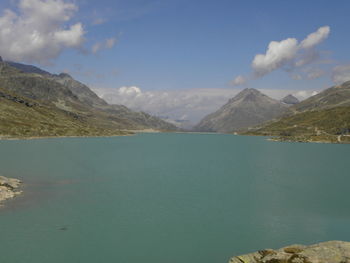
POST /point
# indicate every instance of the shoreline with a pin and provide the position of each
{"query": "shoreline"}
(9, 188)
(134, 132)
(126, 133)
(297, 139)
(9, 138)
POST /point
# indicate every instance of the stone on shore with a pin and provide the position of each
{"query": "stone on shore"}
(326, 252)
(8, 188)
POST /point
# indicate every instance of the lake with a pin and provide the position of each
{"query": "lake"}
(170, 198)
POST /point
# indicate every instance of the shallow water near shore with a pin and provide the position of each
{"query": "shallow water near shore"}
(170, 198)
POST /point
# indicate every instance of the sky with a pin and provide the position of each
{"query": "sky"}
(200, 48)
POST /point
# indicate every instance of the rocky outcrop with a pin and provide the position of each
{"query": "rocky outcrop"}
(9, 188)
(16, 99)
(327, 252)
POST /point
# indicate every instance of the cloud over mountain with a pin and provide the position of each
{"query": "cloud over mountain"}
(189, 104)
(39, 31)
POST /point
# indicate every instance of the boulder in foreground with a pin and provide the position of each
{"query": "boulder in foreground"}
(326, 252)
(8, 188)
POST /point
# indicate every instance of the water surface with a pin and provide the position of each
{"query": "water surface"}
(170, 198)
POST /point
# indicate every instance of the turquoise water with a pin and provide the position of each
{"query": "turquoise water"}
(170, 198)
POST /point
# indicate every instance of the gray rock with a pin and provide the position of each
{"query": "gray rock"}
(326, 252)
(8, 188)
(9, 182)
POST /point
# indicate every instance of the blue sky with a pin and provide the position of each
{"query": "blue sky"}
(196, 44)
(179, 58)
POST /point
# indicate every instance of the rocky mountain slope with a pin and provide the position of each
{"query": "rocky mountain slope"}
(335, 96)
(290, 100)
(88, 97)
(74, 107)
(248, 108)
(25, 117)
(326, 252)
(324, 117)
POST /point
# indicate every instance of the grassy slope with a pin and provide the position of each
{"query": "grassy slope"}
(19, 120)
(324, 117)
(337, 96)
(328, 125)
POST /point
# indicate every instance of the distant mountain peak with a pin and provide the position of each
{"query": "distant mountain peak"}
(247, 94)
(290, 100)
(248, 108)
(249, 91)
(65, 75)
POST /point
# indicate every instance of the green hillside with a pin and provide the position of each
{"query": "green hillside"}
(330, 125)
(324, 117)
(22, 117)
(336, 96)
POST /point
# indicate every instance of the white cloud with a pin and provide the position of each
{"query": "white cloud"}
(304, 94)
(341, 74)
(239, 81)
(316, 38)
(190, 104)
(68, 37)
(277, 55)
(288, 55)
(39, 32)
(106, 44)
(132, 91)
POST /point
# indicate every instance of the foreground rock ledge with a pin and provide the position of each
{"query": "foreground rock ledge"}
(8, 188)
(327, 252)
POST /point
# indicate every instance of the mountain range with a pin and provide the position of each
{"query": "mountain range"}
(248, 108)
(35, 102)
(324, 117)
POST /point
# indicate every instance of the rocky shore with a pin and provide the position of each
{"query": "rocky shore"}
(326, 252)
(8, 188)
